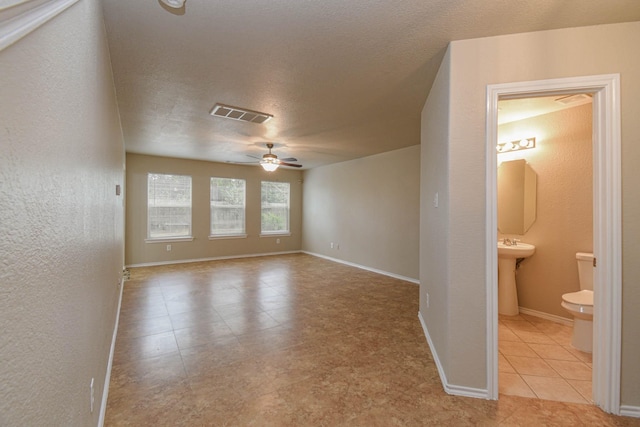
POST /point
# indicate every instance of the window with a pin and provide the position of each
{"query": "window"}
(275, 207)
(168, 206)
(227, 207)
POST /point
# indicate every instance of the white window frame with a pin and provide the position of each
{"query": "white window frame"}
(160, 239)
(286, 232)
(233, 235)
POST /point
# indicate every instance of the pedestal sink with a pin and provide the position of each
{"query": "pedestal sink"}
(507, 293)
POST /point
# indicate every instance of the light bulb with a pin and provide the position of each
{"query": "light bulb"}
(268, 166)
(176, 4)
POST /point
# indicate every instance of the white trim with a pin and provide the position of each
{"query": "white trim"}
(450, 388)
(169, 240)
(546, 316)
(491, 253)
(364, 267)
(227, 236)
(186, 261)
(107, 377)
(14, 27)
(276, 234)
(606, 216)
(630, 411)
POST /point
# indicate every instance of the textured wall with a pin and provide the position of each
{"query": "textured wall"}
(61, 232)
(434, 221)
(139, 252)
(563, 164)
(370, 208)
(535, 56)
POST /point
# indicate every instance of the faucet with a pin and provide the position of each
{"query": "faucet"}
(510, 242)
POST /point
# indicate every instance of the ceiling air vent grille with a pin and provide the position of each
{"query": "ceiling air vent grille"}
(242, 114)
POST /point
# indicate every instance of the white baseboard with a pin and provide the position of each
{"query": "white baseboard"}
(107, 377)
(453, 389)
(630, 411)
(546, 316)
(364, 267)
(186, 261)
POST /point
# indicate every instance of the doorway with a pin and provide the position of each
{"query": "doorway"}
(606, 225)
(544, 199)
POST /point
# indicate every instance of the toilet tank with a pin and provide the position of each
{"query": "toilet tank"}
(585, 270)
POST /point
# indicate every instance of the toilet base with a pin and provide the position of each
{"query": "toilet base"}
(582, 335)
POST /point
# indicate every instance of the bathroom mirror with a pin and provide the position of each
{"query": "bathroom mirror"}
(516, 197)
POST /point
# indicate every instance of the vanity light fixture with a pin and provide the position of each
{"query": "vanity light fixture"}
(523, 144)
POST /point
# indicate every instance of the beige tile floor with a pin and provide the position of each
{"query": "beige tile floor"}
(537, 360)
(292, 340)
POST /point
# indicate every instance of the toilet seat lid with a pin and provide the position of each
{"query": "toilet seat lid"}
(584, 297)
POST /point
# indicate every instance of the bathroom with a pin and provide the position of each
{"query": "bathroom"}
(562, 225)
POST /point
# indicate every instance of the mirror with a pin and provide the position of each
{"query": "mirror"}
(516, 197)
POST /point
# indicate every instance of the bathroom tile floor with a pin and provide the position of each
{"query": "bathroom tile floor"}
(537, 360)
(294, 340)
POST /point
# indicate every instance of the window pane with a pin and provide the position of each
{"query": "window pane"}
(275, 207)
(168, 205)
(227, 206)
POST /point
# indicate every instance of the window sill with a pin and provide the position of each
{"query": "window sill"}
(169, 239)
(276, 234)
(228, 236)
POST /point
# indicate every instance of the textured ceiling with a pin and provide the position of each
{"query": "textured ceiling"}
(343, 79)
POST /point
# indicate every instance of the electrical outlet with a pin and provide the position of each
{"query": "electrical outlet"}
(427, 299)
(92, 395)
(277, 241)
(435, 200)
(168, 248)
(331, 245)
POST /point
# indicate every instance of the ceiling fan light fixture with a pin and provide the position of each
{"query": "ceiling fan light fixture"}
(269, 166)
(176, 4)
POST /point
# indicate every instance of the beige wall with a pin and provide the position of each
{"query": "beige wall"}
(434, 221)
(563, 163)
(523, 57)
(137, 251)
(61, 254)
(369, 209)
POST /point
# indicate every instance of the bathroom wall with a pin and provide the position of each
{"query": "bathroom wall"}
(137, 251)
(370, 207)
(563, 164)
(61, 221)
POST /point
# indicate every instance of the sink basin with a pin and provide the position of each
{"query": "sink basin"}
(521, 250)
(507, 292)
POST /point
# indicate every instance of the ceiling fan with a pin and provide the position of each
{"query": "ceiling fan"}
(270, 161)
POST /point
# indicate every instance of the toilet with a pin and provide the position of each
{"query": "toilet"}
(580, 304)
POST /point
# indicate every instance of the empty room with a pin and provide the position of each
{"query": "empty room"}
(280, 213)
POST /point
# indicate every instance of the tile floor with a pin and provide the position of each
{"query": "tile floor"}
(291, 340)
(537, 360)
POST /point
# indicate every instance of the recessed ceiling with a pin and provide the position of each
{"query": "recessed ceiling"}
(342, 79)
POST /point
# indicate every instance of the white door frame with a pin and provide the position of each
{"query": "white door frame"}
(607, 243)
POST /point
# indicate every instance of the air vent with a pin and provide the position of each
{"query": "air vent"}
(242, 114)
(580, 98)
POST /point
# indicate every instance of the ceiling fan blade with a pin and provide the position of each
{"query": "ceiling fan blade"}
(293, 165)
(289, 159)
(254, 157)
(242, 163)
